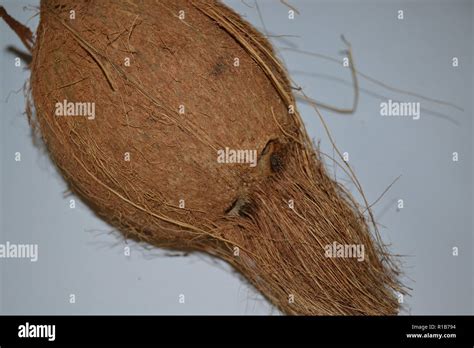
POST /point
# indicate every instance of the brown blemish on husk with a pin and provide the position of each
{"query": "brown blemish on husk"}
(281, 248)
(219, 67)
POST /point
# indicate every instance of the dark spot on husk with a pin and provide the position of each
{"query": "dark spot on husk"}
(271, 159)
(240, 207)
(276, 163)
(219, 68)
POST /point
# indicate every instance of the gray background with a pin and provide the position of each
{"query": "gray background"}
(79, 254)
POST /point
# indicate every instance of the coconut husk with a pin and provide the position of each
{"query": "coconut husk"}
(153, 145)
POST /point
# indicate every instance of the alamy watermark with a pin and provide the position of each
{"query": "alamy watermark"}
(85, 109)
(336, 250)
(237, 156)
(19, 251)
(28, 330)
(400, 109)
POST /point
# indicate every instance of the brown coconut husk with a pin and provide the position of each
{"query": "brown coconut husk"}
(235, 212)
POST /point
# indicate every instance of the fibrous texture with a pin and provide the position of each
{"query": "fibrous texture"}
(173, 83)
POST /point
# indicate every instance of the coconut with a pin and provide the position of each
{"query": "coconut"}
(175, 122)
